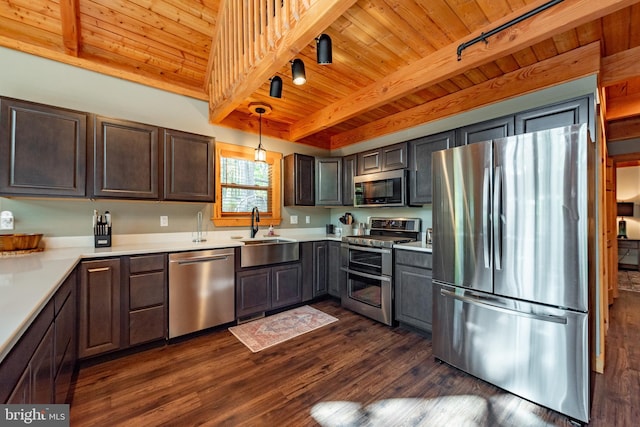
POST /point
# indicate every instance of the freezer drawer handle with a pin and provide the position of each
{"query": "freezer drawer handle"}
(484, 304)
(196, 260)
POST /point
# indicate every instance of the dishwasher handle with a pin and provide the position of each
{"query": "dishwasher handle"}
(200, 259)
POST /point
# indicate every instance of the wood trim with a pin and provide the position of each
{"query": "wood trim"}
(623, 129)
(274, 159)
(621, 107)
(442, 64)
(568, 66)
(620, 67)
(70, 26)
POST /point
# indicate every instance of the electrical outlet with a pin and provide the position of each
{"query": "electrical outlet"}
(6, 220)
(164, 221)
(307, 219)
(293, 219)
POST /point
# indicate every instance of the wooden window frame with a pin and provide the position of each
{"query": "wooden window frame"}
(244, 219)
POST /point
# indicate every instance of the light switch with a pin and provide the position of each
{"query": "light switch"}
(307, 219)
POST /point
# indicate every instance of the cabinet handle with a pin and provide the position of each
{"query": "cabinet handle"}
(97, 270)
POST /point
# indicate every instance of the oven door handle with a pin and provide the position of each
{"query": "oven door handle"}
(367, 249)
(367, 275)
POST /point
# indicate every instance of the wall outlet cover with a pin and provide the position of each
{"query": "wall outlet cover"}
(293, 219)
(164, 221)
(307, 219)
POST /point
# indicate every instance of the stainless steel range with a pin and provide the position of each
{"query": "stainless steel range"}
(368, 264)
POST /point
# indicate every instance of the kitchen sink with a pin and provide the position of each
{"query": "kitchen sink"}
(268, 251)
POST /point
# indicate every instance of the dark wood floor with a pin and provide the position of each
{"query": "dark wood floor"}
(353, 372)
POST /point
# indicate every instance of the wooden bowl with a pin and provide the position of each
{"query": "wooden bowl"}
(20, 241)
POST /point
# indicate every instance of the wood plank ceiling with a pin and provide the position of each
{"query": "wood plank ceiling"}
(394, 61)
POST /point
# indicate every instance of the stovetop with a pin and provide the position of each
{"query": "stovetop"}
(377, 241)
(385, 232)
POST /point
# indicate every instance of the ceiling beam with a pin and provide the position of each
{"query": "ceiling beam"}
(319, 16)
(442, 64)
(621, 107)
(620, 67)
(618, 130)
(571, 65)
(70, 26)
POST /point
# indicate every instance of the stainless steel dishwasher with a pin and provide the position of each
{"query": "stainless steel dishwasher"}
(201, 290)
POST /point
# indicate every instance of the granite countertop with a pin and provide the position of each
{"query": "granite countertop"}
(27, 282)
(419, 246)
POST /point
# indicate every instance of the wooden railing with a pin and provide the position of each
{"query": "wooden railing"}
(248, 31)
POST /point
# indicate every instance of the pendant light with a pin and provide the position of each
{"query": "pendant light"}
(297, 72)
(275, 88)
(259, 108)
(323, 49)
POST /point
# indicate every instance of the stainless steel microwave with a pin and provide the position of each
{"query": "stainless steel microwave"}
(380, 189)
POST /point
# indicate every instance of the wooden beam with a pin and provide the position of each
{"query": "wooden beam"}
(572, 65)
(620, 67)
(316, 19)
(442, 64)
(624, 129)
(621, 107)
(70, 26)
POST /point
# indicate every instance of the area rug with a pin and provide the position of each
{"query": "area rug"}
(269, 331)
(629, 280)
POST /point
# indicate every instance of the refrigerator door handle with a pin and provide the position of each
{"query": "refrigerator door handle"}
(497, 218)
(485, 304)
(486, 218)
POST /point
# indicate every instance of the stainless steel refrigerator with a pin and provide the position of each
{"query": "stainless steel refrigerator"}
(513, 264)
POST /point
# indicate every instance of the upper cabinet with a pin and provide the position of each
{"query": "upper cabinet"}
(42, 150)
(485, 131)
(328, 181)
(420, 151)
(565, 113)
(349, 170)
(184, 154)
(299, 180)
(381, 159)
(125, 160)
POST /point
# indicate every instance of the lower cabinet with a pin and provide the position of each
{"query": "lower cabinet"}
(335, 277)
(262, 289)
(320, 269)
(413, 287)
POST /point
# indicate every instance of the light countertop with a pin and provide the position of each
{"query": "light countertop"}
(419, 246)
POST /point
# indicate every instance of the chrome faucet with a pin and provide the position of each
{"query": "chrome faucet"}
(255, 219)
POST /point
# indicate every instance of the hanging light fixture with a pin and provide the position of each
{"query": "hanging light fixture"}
(323, 49)
(275, 88)
(297, 72)
(260, 154)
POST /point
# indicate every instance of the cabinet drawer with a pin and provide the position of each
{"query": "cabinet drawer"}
(147, 325)
(414, 258)
(628, 244)
(141, 264)
(146, 290)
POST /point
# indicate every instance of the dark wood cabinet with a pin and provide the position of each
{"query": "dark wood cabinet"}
(413, 289)
(66, 333)
(387, 158)
(328, 181)
(349, 170)
(335, 277)
(253, 291)
(188, 167)
(145, 298)
(320, 268)
(420, 151)
(485, 131)
(42, 150)
(566, 113)
(299, 180)
(125, 160)
(286, 285)
(99, 307)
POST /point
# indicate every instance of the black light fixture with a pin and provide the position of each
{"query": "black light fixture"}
(275, 88)
(260, 154)
(323, 49)
(297, 72)
(623, 209)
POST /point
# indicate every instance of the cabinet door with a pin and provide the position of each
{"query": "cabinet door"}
(307, 263)
(42, 387)
(100, 308)
(566, 113)
(328, 181)
(188, 167)
(334, 275)
(253, 291)
(320, 251)
(299, 180)
(485, 131)
(394, 157)
(286, 285)
(21, 394)
(349, 170)
(43, 150)
(126, 160)
(420, 168)
(369, 162)
(65, 339)
(413, 296)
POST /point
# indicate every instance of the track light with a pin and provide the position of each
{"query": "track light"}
(323, 49)
(297, 72)
(275, 89)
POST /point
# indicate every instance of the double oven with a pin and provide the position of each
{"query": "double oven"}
(367, 262)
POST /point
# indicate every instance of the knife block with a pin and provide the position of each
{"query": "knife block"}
(102, 240)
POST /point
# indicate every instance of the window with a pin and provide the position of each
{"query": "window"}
(242, 184)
